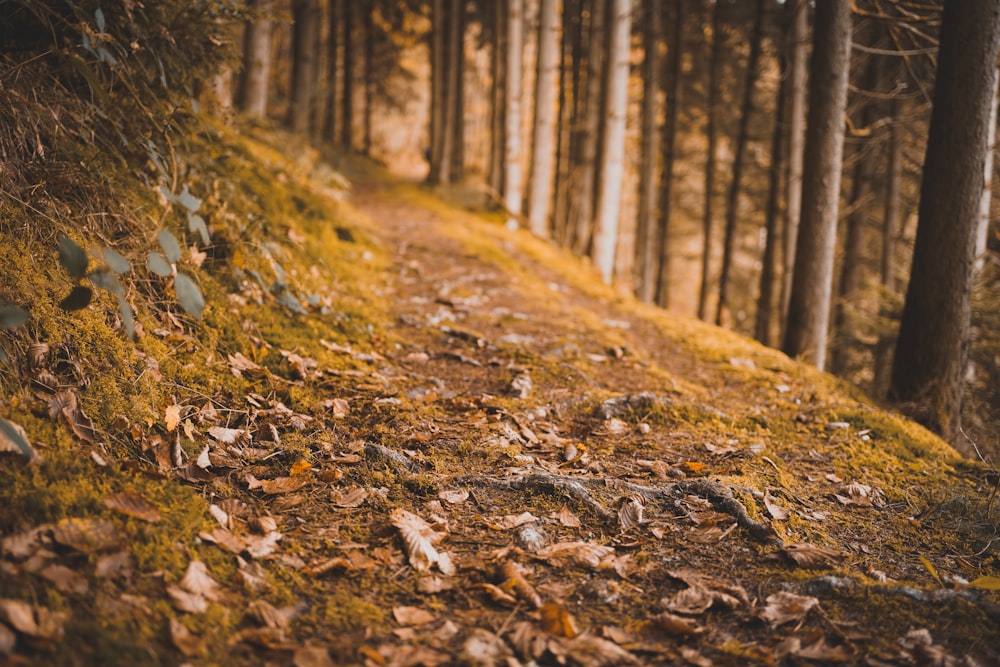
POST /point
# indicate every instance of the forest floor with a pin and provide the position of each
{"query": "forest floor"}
(444, 442)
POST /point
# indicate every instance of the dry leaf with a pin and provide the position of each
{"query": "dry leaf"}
(87, 535)
(410, 616)
(186, 601)
(861, 495)
(814, 558)
(117, 565)
(512, 521)
(172, 415)
(7, 641)
(566, 517)
(774, 509)
(630, 512)
(513, 576)
(785, 607)
(350, 498)
(986, 582)
(239, 364)
(592, 651)
(300, 467)
(197, 580)
(281, 485)
(312, 656)
(183, 640)
(554, 619)
(230, 436)
(66, 579)
(419, 539)
(434, 584)
(485, 648)
(339, 406)
(32, 620)
(588, 554)
(676, 625)
(454, 496)
(498, 594)
(132, 504)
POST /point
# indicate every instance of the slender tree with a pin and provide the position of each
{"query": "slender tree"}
(347, 99)
(368, 25)
(609, 193)
(257, 60)
(498, 97)
(733, 194)
(710, 131)
(672, 86)
(586, 169)
(891, 220)
(439, 22)
(646, 230)
(305, 18)
(512, 150)
(812, 283)
(543, 143)
(334, 13)
(932, 349)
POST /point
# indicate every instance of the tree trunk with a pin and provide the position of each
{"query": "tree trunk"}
(812, 282)
(368, 23)
(587, 168)
(710, 131)
(456, 71)
(891, 222)
(543, 148)
(498, 98)
(347, 101)
(333, 62)
(672, 86)
(609, 193)
(257, 61)
(439, 21)
(569, 76)
(645, 229)
(764, 319)
(932, 350)
(732, 198)
(305, 17)
(512, 128)
(983, 231)
(797, 12)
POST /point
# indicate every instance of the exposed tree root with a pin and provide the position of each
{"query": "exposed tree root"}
(392, 458)
(719, 495)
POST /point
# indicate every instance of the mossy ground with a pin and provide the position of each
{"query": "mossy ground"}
(393, 373)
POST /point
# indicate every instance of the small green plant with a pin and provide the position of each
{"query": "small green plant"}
(75, 260)
(165, 265)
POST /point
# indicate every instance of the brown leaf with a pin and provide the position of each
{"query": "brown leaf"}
(254, 576)
(588, 554)
(281, 485)
(21, 546)
(132, 504)
(66, 579)
(554, 619)
(630, 512)
(187, 601)
(117, 565)
(197, 580)
(774, 509)
(497, 594)
(419, 539)
(861, 495)
(230, 436)
(676, 625)
(32, 620)
(239, 365)
(7, 641)
(513, 521)
(454, 496)
(514, 580)
(411, 616)
(566, 517)
(814, 558)
(172, 416)
(350, 498)
(312, 656)
(87, 535)
(785, 607)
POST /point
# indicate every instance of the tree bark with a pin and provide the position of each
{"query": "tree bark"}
(797, 12)
(512, 118)
(305, 21)
(257, 61)
(672, 86)
(347, 101)
(932, 350)
(543, 143)
(498, 98)
(891, 221)
(812, 282)
(710, 131)
(439, 21)
(732, 198)
(569, 78)
(456, 71)
(645, 228)
(609, 193)
(368, 24)
(333, 63)
(587, 167)
(983, 231)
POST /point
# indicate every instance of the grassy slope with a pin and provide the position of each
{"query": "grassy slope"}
(380, 276)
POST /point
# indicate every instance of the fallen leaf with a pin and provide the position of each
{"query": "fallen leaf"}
(186, 601)
(434, 584)
(14, 439)
(986, 582)
(554, 619)
(172, 415)
(411, 616)
(785, 607)
(419, 538)
(87, 535)
(630, 512)
(774, 509)
(312, 656)
(183, 640)
(197, 580)
(282, 485)
(512, 521)
(676, 625)
(7, 640)
(300, 467)
(117, 565)
(814, 558)
(340, 407)
(861, 495)
(239, 365)
(132, 504)
(514, 580)
(454, 496)
(350, 498)
(566, 517)
(66, 579)
(588, 554)
(32, 620)
(497, 594)
(230, 436)
(485, 648)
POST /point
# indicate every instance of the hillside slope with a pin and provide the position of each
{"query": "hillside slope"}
(403, 435)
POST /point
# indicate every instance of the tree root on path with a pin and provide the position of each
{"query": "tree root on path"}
(719, 495)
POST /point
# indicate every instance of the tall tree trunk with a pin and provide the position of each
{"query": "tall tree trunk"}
(512, 128)
(569, 77)
(672, 86)
(257, 61)
(368, 23)
(546, 89)
(304, 16)
(439, 98)
(609, 193)
(932, 350)
(334, 14)
(891, 222)
(498, 102)
(797, 12)
(983, 231)
(732, 198)
(347, 101)
(456, 72)
(812, 282)
(645, 229)
(710, 131)
(764, 319)
(587, 168)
